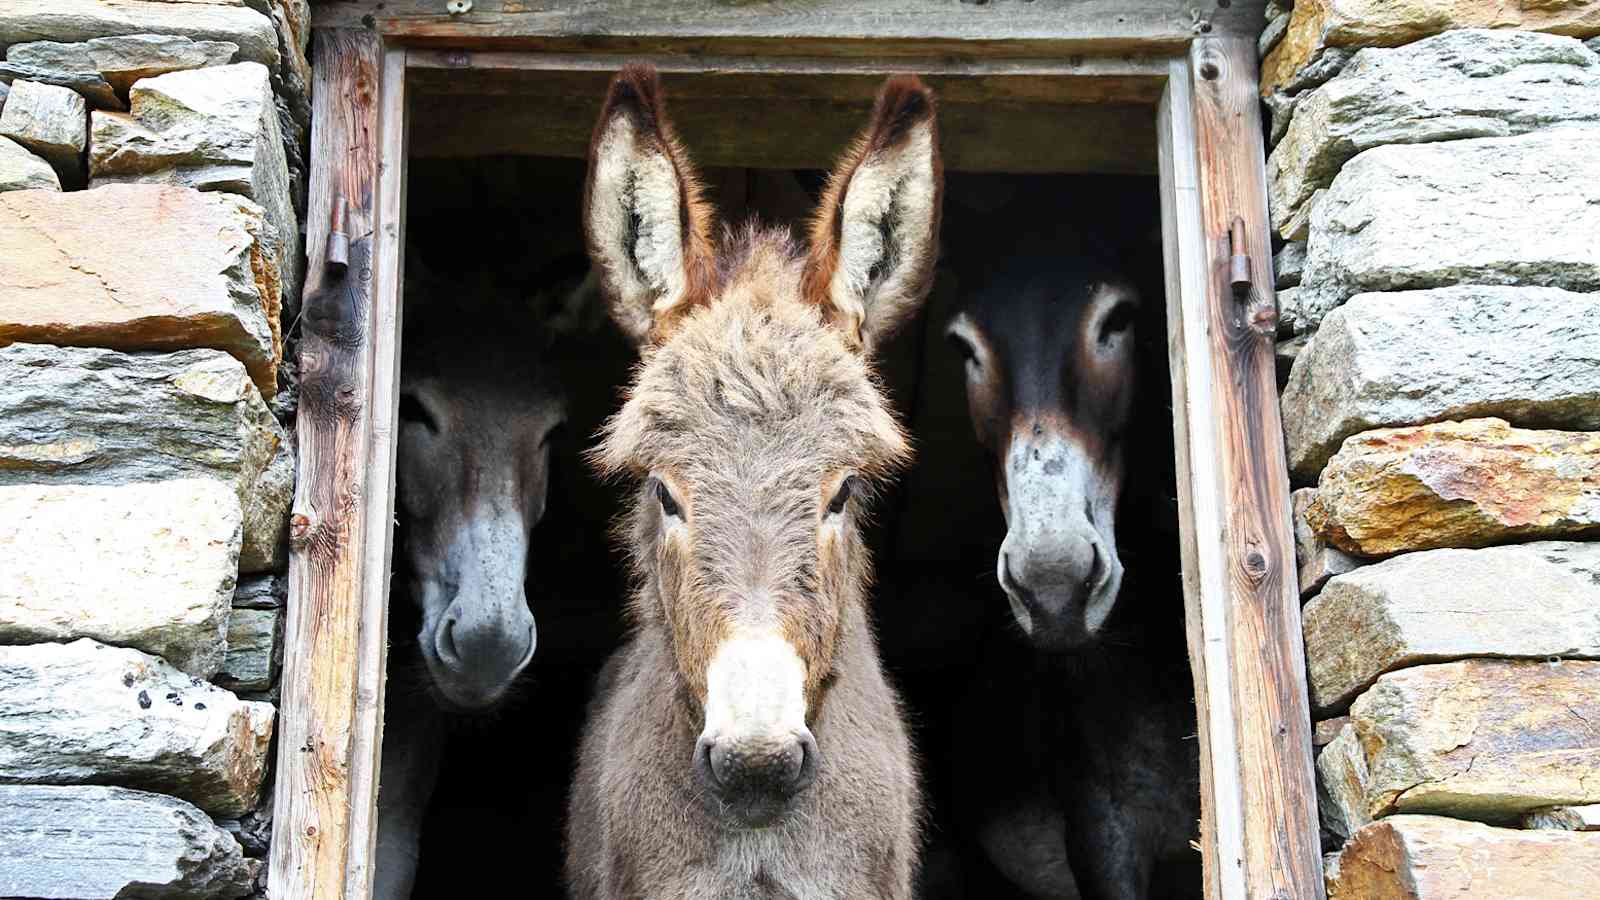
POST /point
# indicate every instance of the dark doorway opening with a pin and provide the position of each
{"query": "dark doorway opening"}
(500, 802)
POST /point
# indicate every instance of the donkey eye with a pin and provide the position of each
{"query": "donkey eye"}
(963, 346)
(1118, 320)
(412, 410)
(669, 504)
(847, 488)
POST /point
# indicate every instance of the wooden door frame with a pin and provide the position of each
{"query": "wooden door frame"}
(1259, 831)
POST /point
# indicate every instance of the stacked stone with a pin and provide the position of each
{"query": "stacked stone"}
(149, 171)
(1437, 188)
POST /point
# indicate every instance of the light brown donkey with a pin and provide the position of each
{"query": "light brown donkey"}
(744, 741)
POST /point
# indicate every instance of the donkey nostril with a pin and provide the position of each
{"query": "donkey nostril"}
(446, 643)
(1096, 566)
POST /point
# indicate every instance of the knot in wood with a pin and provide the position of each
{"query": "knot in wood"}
(1255, 565)
(299, 530)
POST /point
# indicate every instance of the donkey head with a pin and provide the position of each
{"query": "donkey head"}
(477, 409)
(754, 425)
(1049, 349)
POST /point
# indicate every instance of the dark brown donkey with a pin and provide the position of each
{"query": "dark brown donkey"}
(744, 741)
(1098, 793)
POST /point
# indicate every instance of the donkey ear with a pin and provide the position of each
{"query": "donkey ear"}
(647, 226)
(875, 236)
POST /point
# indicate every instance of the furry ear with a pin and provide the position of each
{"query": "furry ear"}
(646, 224)
(875, 236)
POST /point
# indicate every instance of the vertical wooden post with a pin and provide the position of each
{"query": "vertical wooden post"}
(330, 718)
(1259, 831)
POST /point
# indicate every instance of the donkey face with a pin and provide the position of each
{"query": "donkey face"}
(1048, 344)
(754, 425)
(476, 414)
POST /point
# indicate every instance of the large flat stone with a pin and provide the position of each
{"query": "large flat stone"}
(84, 415)
(85, 713)
(123, 59)
(66, 266)
(1519, 210)
(1525, 354)
(1529, 601)
(96, 91)
(50, 121)
(213, 129)
(1434, 858)
(81, 20)
(101, 843)
(1482, 739)
(1459, 84)
(1318, 27)
(1457, 484)
(21, 170)
(150, 566)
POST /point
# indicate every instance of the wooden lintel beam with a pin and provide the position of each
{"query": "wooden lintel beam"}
(1004, 28)
(1259, 833)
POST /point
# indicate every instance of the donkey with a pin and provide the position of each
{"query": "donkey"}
(477, 411)
(1100, 788)
(744, 741)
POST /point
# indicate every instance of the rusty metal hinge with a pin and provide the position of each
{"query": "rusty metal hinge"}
(338, 239)
(1238, 260)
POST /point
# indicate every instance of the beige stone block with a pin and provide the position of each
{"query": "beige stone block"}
(149, 566)
(1520, 601)
(1482, 739)
(1433, 858)
(21, 170)
(1457, 484)
(1316, 26)
(86, 713)
(174, 268)
(50, 121)
(123, 59)
(234, 21)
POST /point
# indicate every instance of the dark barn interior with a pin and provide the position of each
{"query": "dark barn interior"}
(499, 806)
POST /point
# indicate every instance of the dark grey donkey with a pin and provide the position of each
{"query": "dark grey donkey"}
(1088, 784)
(744, 742)
(477, 409)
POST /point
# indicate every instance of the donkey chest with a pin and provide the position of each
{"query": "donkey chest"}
(770, 864)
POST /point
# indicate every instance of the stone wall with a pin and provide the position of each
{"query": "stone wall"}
(1434, 177)
(151, 185)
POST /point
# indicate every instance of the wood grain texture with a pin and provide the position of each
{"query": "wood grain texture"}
(1182, 243)
(1239, 515)
(387, 310)
(819, 27)
(332, 527)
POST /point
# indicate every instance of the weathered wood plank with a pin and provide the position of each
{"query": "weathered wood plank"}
(819, 27)
(1246, 540)
(387, 311)
(1184, 258)
(331, 526)
(759, 133)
